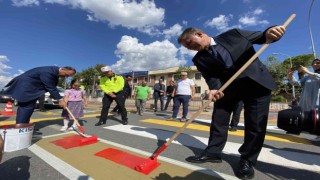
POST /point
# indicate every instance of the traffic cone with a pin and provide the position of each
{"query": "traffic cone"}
(8, 110)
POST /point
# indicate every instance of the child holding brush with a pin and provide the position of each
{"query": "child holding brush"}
(76, 100)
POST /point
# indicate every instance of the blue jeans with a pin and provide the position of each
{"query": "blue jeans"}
(177, 100)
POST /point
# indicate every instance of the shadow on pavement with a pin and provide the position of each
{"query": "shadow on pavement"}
(15, 168)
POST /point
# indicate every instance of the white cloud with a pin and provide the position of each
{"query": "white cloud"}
(20, 3)
(221, 22)
(173, 31)
(257, 11)
(4, 76)
(135, 56)
(142, 15)
(184, 52)
(253, 18)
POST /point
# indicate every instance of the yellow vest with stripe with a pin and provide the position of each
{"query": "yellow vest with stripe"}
(111, 84)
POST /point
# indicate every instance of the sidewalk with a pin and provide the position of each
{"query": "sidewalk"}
(194, 107)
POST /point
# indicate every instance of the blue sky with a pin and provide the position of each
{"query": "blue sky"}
(136, 35)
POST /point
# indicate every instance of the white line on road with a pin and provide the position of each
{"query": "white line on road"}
(296, 160)
(73, 173)
(64, 168)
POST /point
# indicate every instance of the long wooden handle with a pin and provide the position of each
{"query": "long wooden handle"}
(226, 84)
(75, 120)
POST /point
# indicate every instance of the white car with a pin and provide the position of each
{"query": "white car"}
(48, 101)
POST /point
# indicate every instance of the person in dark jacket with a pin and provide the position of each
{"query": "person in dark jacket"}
(218, 59)
(170, 94)
(158, 94)
(29, 86)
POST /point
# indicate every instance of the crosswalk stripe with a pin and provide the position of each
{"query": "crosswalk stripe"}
(72, 173)
(297, 160)
(269, 136)
(64, 168)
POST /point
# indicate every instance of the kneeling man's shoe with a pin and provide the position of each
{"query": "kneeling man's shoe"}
(100, 123)
(245, 170)
(203, 158)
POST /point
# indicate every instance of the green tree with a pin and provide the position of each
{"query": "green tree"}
(187, 69)
(279, 71)
(90, 77)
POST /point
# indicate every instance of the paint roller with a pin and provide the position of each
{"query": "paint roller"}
(151, 163)
(80, 130)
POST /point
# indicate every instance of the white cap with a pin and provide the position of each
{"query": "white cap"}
(105, 69)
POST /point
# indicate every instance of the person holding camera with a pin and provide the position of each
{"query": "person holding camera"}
(310, 83)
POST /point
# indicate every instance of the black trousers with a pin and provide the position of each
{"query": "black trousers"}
(169, 98)
(236, 112)
(41, 102)
(156, 98)
(256, 99)
(106, 102)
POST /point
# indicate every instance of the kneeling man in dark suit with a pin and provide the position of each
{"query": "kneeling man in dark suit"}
(29, 86)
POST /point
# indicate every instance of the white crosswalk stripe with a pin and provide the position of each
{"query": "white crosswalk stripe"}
(273, 156)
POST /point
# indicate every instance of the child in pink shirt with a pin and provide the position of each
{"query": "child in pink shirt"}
(76, 99)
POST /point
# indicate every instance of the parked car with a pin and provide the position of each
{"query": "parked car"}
(5, 97)
(48, 100)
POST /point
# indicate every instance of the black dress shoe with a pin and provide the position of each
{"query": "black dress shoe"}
(245, 170)
(125, 122)
(232, 128)
(203, 158)
(100, 123)
(37, 133)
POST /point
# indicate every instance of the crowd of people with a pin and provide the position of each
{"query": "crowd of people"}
(218, 58)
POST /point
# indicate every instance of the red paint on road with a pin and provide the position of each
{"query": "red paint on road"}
(123, 158)
(75, 141)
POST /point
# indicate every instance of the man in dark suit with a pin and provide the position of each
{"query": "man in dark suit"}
(29, 86)
(158, 94)
(219, 58)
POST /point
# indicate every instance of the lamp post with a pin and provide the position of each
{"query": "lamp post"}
(313, 49)
(293, 90)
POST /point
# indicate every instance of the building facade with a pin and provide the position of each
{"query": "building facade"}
(167, 75)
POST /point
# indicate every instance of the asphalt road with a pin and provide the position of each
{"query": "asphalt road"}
(283, 156)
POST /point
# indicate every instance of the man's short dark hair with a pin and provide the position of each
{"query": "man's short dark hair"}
(186, 32)
(70, 68)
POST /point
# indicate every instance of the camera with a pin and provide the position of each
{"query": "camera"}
(294, 120)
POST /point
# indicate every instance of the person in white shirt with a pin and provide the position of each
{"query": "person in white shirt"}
(183, 94)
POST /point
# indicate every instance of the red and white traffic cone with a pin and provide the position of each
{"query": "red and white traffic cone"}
(8, 110)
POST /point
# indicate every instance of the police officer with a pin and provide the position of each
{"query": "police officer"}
(112, 85)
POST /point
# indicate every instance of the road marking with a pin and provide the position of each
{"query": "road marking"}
(297, 160)
(32, 120)
(61, 166)
(269, 136)
(73, 173)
